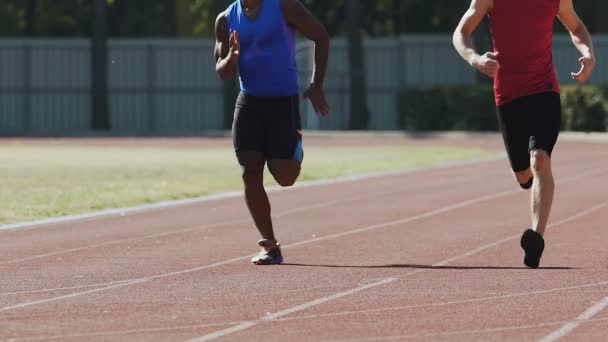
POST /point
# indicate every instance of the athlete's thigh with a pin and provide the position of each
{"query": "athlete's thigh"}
(251, 160)
(514, 129)
(283, 130)
(284, 149)
(248, 125)
(285, 171)
(545, 121)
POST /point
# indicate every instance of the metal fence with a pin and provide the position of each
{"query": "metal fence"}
(170, 86)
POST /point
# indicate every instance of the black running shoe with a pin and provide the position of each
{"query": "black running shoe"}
(533, 245)
(527, 185)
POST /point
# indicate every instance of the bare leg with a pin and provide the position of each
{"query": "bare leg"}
(542, 190)
(252, 164)
(285, 171)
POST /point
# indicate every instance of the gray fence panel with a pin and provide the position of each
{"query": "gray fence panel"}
(60, 113)
(128, 82)
(60, 82)
(12, 85)
(566, 57)
(337, 85)
(12, 67)
(170, 86)
(187, 90)
(129, 112)
(11, 112)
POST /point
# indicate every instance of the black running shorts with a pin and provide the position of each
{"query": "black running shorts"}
(269, 125)
(530, 123)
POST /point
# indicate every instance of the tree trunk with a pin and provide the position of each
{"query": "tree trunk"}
(184, 18)
(359, 118)
(30, 24)
(100, 119)
(601, 6)
(171, 18)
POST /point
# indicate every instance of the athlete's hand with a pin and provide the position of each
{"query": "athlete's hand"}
(234, 45)
(487, 63)
(587, 66)
(317, 97)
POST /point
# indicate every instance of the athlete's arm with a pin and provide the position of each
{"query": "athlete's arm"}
(305, 23)
(487, 63)
(581, 39)
(226, 49)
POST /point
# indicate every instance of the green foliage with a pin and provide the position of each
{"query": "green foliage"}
(472, 108)
(453, 108)
(134, 18)
(12, 18)
(585, 108)
(205, 12)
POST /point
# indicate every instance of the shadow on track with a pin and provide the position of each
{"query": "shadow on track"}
(415, 266)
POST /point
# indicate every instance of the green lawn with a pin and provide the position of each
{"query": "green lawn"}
(46, 181)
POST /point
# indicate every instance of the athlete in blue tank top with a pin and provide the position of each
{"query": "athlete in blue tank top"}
(255, 39)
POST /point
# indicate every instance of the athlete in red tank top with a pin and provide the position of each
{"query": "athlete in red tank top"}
(526, 90)
(524, 44)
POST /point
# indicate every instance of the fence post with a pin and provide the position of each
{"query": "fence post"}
(27, 86)
(151, 89)
(402, 78)
(100, 119)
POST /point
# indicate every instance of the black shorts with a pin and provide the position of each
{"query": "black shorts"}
(269, 125)
(530, 123)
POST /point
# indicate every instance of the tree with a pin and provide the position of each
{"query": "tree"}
(184, 18)
(100, 118)
(30, 18)
(358, 90)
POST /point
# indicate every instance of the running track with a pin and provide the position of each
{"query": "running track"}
(429, 255)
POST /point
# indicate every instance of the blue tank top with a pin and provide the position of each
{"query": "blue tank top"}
(267, 61)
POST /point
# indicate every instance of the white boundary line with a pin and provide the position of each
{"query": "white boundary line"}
(236, 194)
(410, 219)
(570, 326)
(455, 302)
(213, 225)
(461, 332)
(274, 316)
(464, 301)
(250, 324)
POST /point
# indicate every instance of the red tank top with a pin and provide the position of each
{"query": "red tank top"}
(522, 32)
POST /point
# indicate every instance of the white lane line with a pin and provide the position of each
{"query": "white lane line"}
(461, 332)
(455, 302)
(274, 316)
(570, 326)
(53, 299)
(431, 213)
(222, 263)
(235, 194)
(127, 332)
(473, 300)
(453, 207)
(516, 236)
(247, 325)
(217, 225)
(66, 288)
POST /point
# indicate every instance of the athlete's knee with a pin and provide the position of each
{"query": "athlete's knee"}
(286, 180)
(525, 179)
(252, 175)
(285, 173)
(540, 160)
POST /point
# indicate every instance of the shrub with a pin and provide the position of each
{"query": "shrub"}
(584, 109)
(472, 108)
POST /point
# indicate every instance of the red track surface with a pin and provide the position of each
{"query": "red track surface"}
(430, 255)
